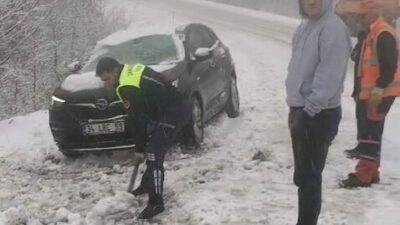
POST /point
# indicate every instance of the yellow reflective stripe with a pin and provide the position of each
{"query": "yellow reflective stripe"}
(369, 157)
(395, 84)
(368, 141)
(130, 76)
(372, 62)
(367, 88)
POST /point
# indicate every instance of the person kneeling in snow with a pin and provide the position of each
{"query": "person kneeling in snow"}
(147, 97)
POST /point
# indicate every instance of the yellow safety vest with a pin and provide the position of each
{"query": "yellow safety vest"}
(131, 75)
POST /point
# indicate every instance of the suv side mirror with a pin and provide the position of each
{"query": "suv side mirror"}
(74, 67)
(202, 52)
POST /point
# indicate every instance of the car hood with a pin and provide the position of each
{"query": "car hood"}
(89, 81)
(80, 82)
(87, 87)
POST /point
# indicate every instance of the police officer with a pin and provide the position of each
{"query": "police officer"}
(148, 97)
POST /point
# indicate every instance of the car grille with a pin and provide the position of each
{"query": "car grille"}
(86, 111)
(66, 125)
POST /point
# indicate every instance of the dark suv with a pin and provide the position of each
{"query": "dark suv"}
(85, 116)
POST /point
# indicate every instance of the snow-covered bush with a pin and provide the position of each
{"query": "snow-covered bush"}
(39, 39)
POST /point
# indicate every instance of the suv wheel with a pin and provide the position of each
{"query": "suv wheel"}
(233, 103)
(196, 125)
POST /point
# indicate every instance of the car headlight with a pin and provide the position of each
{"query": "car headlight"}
(175, 83)
(57, 101)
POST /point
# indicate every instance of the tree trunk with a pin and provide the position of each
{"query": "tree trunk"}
(15, 108)
(34, 85)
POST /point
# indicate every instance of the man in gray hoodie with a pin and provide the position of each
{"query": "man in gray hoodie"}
(320, 51)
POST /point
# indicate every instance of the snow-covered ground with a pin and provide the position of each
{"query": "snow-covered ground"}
(219, 184)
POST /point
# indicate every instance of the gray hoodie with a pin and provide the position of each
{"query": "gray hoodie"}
(320, 52)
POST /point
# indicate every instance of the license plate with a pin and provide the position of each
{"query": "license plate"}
(103, 128)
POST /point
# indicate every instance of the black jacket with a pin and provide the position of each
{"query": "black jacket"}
(147, 103)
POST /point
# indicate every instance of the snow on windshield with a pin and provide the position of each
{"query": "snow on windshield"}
(149, 50)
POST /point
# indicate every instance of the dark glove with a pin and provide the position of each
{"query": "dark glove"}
(140, 148)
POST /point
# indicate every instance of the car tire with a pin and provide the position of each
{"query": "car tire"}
(233, 104)
(196, 126)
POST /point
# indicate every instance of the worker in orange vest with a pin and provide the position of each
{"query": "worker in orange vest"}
(377, 83)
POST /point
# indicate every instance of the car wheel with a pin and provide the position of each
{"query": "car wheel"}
(196, 125)
(233, 103)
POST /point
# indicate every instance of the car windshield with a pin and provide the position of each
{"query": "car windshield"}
(149, 50)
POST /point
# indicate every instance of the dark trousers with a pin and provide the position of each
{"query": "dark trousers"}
(370, 124)
(311, 138)
(174, 118)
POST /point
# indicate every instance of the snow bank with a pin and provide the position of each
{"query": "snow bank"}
(26, 138)
(110, 209)
(14, 216)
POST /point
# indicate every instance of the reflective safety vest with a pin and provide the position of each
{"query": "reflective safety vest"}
(369, 71)
(131, 75)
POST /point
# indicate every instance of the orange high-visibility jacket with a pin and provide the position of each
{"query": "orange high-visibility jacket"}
(369, 70)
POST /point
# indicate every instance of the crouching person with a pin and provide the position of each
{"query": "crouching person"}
(147, 97)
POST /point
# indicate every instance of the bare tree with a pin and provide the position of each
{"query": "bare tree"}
(37, 39)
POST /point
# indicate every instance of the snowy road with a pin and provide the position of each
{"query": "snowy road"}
(220, 184)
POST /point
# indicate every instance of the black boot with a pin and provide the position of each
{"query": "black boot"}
(375, 180)
(352, 181)
(353, 153)
(152, 209)
(141, 190)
